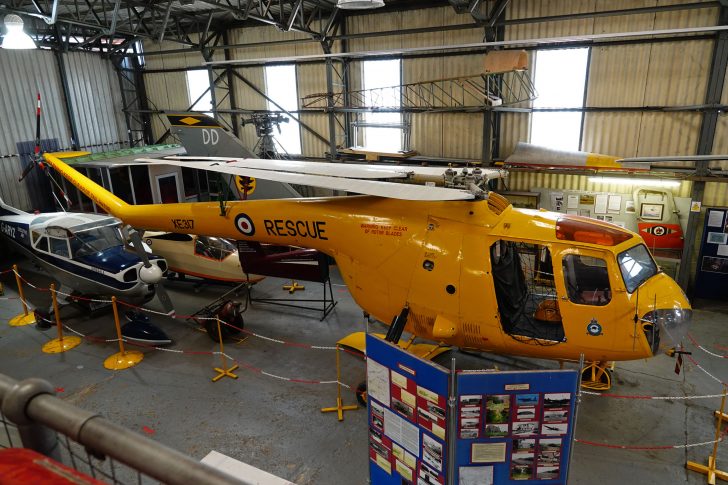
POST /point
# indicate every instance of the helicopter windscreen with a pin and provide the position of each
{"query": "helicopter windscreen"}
(213, 247)
(637, 266)
(96, 239)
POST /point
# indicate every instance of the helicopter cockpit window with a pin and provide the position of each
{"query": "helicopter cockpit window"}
(59, 247)
(523, 279)
(636, 266)
(586, 280)
(213, 247)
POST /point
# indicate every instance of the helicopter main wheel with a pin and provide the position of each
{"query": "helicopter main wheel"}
(361, 394)
(596, 376)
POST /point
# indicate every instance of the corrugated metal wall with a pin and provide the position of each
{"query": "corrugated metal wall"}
(524, 181)
(659, 74)
(94, 96)
(96, 101)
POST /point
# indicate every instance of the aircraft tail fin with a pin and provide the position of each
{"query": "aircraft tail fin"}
(9, 210)
(201, 135)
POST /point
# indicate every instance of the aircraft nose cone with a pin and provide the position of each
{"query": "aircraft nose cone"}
(150, 275)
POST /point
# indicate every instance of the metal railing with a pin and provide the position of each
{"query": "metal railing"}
(31, 416)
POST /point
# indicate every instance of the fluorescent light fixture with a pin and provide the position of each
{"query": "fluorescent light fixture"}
(15, 38)
(630, 181)
(360, 4)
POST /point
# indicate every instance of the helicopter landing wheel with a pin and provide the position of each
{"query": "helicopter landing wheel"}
(596, 376)
(361, 394)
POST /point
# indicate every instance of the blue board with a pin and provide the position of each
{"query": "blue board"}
(711, 276)
(407, 404)
(514, 427)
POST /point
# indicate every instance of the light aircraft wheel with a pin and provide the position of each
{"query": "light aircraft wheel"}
(361, 394)
(596, 376)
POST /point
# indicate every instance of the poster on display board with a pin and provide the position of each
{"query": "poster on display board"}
(407, 416)
(514, 427)
(500, 428)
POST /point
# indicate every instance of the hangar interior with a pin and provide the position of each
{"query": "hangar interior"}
(635, 85)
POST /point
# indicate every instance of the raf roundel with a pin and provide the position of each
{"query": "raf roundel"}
(245, 224)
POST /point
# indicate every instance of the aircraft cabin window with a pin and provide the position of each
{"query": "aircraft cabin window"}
(213, 247)
(59, 247)
(586, 280)
(42, 244)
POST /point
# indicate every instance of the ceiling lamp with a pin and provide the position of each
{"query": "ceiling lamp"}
(15, 38)
(360, 4)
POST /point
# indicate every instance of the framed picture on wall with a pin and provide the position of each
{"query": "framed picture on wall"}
(651, 211)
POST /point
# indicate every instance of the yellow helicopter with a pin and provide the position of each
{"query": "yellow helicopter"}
(455, 264)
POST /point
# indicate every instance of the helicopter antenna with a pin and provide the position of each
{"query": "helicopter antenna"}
(636, 318)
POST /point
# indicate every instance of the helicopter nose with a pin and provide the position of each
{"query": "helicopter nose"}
(150, 275)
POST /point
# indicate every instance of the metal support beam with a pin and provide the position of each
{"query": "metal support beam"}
(333, 153)
(234, 119)
(718, 68)
(261, 93)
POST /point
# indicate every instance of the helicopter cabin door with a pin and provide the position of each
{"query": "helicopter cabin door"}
(585, 281)
(434, 291)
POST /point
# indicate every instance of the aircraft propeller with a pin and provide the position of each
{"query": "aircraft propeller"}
(36, 158)
(151, 273)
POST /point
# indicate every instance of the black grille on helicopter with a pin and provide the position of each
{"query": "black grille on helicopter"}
(652, 332)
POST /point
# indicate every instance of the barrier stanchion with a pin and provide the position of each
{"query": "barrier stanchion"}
(124, 358)
(223, 370)
(293, 287)
(24, 318)
(60, 344)
(339, 408)
(711, 471)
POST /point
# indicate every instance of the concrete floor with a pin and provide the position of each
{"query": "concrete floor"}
(277, 425)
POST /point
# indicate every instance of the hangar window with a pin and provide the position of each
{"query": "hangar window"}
(560, 78)
(523, 279)
(282, 89)
(198, 91)
(587, 280)
(382, 80)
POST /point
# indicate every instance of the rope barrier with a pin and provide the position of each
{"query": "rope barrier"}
(713, 354)
(656, 398)
(199, 352)
(651, 448)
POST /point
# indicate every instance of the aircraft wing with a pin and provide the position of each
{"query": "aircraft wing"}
(345, 177)
(347, 170)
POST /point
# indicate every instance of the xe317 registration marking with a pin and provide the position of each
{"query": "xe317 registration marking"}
(284, 228)
(183, 224)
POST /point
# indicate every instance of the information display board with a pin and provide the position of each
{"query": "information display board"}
(514, 427)
(711, 276)
(407, 403)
